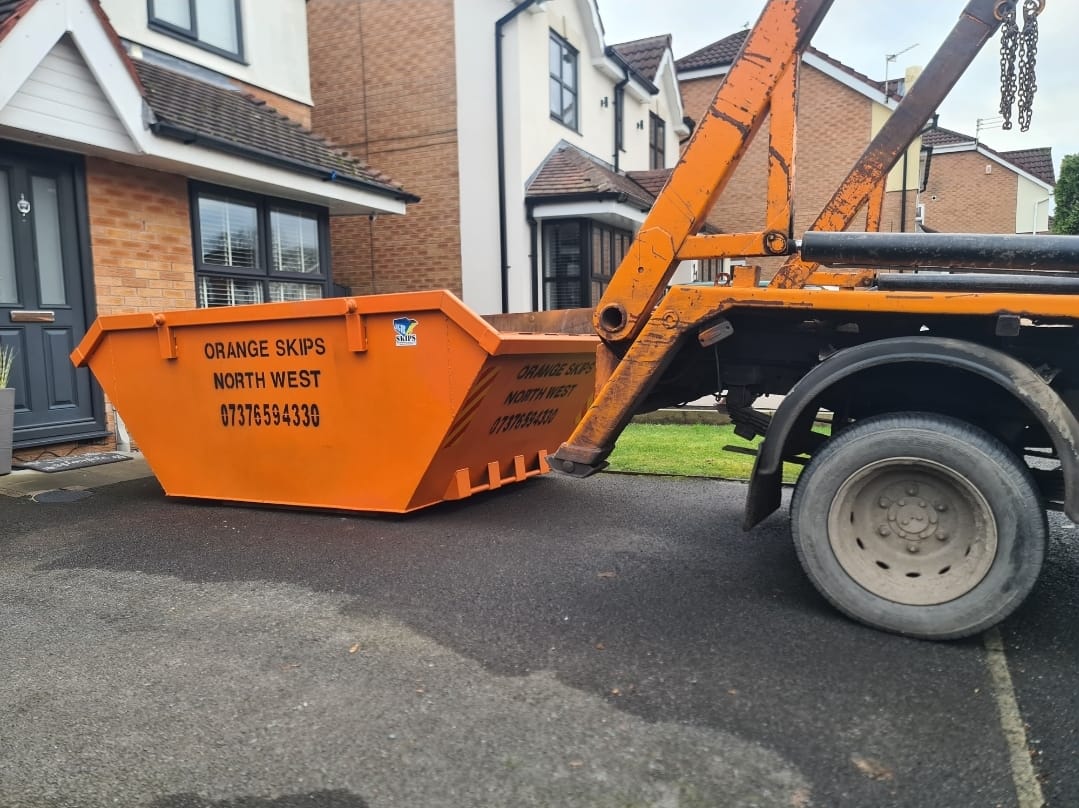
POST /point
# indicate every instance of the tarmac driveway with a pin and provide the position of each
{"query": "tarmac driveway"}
(610, 642)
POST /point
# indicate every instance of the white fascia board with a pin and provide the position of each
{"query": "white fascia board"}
(110, 71)
(956, 148)
(23, 49)
(603, 209)
(594, 34)
(1000, 161)
(666, 74)
(845, 78)
(614, 71)
(703, 73)
(208, 165)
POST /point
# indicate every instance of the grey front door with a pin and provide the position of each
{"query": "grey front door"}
(42, 295)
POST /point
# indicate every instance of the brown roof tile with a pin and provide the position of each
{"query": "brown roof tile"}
(571, 172)
(11, 11)
(1038, 162)
(945, 137)
(652, 181)
(644, 55)
(723, 53)
(718, 54)
(226, 119)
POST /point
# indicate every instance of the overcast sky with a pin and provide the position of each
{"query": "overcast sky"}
(860, 33)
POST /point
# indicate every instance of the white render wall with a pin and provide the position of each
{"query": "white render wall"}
(1032, 205)
(530, 133)
(274, 43)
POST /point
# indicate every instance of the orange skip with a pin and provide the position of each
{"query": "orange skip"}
(383, 403)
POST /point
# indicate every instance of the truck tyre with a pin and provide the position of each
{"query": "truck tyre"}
(919, 524)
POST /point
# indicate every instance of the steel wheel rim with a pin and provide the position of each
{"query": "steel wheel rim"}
(912, 531)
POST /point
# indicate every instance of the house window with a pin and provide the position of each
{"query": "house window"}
(563, 81)
(210, 24)
(580, 257)
(657, 141)
(251, 249)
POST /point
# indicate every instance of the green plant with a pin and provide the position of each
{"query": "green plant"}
(7, 362)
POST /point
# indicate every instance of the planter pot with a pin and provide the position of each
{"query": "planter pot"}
(7, 426)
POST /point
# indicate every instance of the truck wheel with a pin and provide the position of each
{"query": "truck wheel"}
(919, 524)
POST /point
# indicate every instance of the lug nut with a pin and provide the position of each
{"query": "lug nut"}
(884, 502)
(912, 549)
(942, 507)
(913, 490)
(885, 530)
(942, 537)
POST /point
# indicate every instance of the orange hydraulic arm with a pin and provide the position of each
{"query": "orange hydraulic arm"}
(641, 334)
(767, 62)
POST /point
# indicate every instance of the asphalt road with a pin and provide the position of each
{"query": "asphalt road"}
(610, 642)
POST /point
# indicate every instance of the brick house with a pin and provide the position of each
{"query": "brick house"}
(839, 111)
(1012, 189)
(154, 155)
(522, 130)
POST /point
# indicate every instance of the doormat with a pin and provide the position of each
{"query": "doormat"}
(51, 464)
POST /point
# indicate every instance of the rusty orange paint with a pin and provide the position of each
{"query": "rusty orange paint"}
(685, 308)
(849, 279)
(720, 140)
(875, 208)
(783, 127)
(384, 403)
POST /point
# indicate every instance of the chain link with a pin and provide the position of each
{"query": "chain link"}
(1009, 46)
(1018, 60)
(1028, 59)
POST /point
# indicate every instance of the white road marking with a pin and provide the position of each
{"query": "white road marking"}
(1027, 787)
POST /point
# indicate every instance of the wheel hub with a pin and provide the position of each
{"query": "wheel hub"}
(912, 531)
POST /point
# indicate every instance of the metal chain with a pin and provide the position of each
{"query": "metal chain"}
(1028, 59)
(1009, 46)
(1018, 59)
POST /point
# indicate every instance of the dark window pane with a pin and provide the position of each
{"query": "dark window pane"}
(562, 264)
(229, 233)
(174, 12)
(217, 24)
(569, 110)
(218, 291)
(281, 291)
(50, 258)
(9, 290)
(294, 243)
(556, 98)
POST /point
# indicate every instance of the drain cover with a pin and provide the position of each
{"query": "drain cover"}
(59, 495)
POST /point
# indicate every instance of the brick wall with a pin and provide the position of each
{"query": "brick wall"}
(834, 127)
(383, 80)
(140, 235)
(961, 198)
(300, 113)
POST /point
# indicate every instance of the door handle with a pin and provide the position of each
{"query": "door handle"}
(33, 317)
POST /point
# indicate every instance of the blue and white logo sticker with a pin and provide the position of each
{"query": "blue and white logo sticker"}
(405, 332)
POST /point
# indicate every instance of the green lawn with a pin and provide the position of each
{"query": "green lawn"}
(689, 450)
